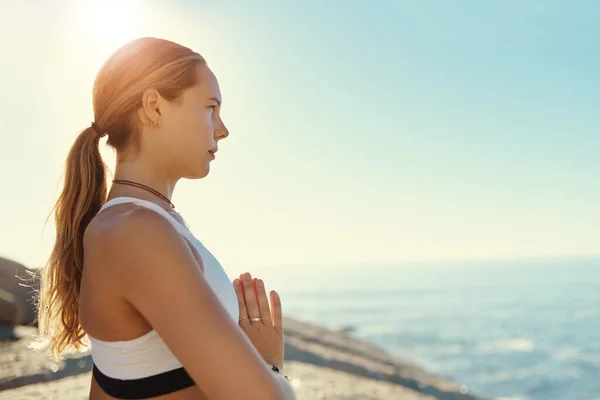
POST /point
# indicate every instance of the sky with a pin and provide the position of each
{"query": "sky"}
(360, 131)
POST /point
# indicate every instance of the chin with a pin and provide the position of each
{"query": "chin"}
(198, 173)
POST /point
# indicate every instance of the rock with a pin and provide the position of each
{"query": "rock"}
(17, 291)
(7, 332)
(10, 312)
(347, 329)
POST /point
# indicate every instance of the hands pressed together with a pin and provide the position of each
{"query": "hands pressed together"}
(262, 322)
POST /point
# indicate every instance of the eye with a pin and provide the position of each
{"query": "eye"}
(213, 108)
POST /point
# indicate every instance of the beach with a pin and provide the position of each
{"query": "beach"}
(320, 363)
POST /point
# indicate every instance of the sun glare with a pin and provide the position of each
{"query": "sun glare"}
(108, 23)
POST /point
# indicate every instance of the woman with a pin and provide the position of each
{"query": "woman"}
(161, 315)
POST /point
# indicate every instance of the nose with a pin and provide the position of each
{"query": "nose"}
(221, 132)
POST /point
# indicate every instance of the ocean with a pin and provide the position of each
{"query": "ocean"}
(518, 330)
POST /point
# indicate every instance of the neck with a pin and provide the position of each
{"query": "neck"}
(140, 172)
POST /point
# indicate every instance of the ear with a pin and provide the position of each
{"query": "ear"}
(150, 110)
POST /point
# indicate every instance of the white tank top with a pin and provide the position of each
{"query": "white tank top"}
(148, 355)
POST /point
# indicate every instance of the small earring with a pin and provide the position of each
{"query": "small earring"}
(157, 124)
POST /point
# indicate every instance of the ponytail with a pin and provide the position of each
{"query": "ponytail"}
(83, 194)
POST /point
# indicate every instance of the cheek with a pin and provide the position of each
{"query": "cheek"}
(195, 126)
(203, 121)
(203, 129)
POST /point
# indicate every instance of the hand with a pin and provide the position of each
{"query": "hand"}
(267, 334)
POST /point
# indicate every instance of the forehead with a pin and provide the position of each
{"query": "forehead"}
(208, 85)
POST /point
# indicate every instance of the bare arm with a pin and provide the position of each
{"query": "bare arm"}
(96, 391)
(161, 279)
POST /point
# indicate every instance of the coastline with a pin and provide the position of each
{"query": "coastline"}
(321, 364)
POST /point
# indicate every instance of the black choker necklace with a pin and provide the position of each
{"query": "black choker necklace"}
(142, 186)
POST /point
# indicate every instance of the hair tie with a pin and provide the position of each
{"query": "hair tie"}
(98, 130)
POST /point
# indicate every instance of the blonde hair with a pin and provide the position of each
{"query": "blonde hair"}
(135, 67)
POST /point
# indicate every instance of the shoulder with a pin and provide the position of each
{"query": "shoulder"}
(131, 236)
(123, 225)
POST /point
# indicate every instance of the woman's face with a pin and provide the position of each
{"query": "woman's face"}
(190, 130)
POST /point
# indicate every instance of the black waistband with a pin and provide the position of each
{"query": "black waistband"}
(151, 386)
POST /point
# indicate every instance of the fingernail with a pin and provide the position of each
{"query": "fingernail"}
(247, 276)
(236, 282)
(260, 283)
(275, 295)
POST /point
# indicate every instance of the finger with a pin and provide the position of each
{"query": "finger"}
(276, 311)
(263, 302)
(255, 290)
(250, 297)
(237, 285)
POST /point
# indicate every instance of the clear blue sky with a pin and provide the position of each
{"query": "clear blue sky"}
(361, 131)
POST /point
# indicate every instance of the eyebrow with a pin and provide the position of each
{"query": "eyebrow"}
(215, 99)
